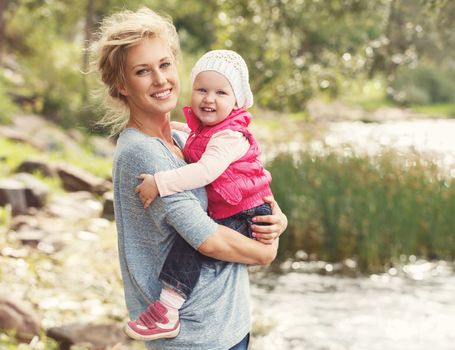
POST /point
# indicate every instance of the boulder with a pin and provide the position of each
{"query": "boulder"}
(39, 133)
(102, 146)
(108, 205)
(75, 179)
(18, 318)
(36, 191)
(92, 336)
(37, 165)
(74, 205)
(12, 192)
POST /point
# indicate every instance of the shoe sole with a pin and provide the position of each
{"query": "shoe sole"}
(132, 334)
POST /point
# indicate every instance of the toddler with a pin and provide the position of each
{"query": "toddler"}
(223, 156)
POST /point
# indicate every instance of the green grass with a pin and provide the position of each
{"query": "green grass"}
(372, 209)
(436, 110)
(13, 154)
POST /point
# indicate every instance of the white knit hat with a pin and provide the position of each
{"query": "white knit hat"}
(233, 67)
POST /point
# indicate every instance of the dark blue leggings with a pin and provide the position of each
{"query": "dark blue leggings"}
(183, 264)
(243, 345)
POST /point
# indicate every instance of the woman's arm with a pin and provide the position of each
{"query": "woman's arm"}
(229, 245)
(226, 245)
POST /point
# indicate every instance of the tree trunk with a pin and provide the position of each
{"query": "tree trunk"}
(3, 4)
(89, 14)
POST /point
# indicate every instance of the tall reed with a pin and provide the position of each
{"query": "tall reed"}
(371, 208)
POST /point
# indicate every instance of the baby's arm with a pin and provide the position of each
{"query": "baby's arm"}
(223, 148)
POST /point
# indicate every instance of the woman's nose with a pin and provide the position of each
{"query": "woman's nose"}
(159, 78)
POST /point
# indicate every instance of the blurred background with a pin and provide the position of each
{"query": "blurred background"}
(355, 112)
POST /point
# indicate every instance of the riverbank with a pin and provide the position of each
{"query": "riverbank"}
(43, 256)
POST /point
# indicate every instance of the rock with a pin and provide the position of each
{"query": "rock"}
(36, 191)
(102, 146)
(18, 318)
(96, 337)
(29, 237)
(13, 192)
(39, 133)
(75, 179)
(33, 165)
(21, 222)
(75, 205)
(108, 205)
(23, 191)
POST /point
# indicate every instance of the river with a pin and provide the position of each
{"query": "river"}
(410, 308)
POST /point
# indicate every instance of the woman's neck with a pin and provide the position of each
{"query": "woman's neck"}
(153, 126)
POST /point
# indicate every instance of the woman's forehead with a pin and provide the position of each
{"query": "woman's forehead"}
(148, 51)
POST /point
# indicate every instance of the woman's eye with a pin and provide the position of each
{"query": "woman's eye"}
(165, 64)
(141, 71)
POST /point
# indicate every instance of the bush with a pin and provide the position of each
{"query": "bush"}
(423, 85)
(7, 107)
(373, 209)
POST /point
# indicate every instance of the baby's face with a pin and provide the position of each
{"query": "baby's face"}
(212, 98)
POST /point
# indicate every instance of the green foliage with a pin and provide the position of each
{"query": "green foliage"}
(13, 154)
(423, 85)
(8, 342)
(370, 209)
(295, 49)
(7, 107)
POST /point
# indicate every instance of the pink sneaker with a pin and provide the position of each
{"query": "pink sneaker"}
(154, 323)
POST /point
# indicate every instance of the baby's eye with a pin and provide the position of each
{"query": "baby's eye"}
(201, 90)
(221, 92)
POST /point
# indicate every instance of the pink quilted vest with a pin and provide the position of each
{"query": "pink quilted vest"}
(245, 182)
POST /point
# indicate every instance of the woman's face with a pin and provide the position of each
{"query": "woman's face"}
(151, 84)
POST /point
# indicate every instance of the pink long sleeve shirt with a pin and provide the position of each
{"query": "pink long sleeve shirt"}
(224, 148)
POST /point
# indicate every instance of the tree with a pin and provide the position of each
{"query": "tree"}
(3, 5)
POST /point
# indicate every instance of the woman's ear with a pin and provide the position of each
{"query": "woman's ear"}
(121, 89)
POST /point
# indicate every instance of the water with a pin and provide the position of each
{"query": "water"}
(432, 137)
(409, 309)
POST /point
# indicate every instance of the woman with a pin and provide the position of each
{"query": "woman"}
(136, 57)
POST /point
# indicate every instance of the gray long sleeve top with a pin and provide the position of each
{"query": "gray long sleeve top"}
(217, 314)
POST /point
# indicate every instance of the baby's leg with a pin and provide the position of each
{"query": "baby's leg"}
(179, 276)
(242, 221)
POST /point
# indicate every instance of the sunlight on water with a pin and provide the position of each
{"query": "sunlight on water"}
(411, 308)
(432, 137)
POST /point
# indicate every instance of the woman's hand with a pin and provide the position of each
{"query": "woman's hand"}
(277, 223)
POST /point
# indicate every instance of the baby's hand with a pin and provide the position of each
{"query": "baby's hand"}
(147, 190)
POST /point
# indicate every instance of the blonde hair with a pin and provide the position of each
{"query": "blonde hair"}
(116, 35)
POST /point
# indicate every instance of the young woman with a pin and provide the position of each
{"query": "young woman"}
(136, 56)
